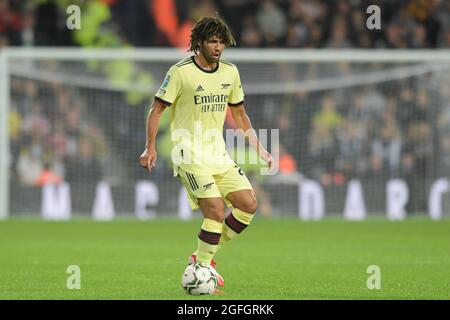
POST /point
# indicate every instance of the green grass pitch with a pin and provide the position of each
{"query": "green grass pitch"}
(272, 259)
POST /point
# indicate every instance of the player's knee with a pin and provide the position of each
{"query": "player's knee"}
(220, 217)
(252, 207)
(216, 213)
(249, 206)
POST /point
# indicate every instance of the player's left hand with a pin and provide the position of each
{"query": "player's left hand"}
(267, 157)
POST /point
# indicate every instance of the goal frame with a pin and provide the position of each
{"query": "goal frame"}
(172, 55)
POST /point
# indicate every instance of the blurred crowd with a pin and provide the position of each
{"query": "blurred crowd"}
(388, 130)
(53, 137)
(391, 129)
(265, 23)
(370, 132)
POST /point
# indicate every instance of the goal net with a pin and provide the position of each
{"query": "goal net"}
(359, 133)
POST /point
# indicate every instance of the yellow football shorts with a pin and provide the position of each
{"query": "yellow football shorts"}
(213, 186)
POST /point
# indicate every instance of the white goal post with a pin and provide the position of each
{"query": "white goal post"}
(424, 61)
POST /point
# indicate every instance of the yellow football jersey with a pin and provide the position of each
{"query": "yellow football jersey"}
(198, 101)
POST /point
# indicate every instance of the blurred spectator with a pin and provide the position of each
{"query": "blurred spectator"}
(49, 25)
(58, 140)
(322, 142)
(135, 23)
(321, 150)
(362, 39)
(84, 167)
(287, 163)
(29, 165)
(444, 155)
(10, 24)
(417, 163)
(98, 141)
(395, 37)
(373, 101)
(328, 117)
(386, 147)
(405, 112)
(15, 134)
(445, 42)
(47, 176)
(271, 21)
(4, 42)
(419, 38)
(35, 122)
(339, 35)
(315, 36)
(360, 111)
(29, 24)
(352, 148)
(297, 35)
(251, 36)
(422, 107)
(203, 8)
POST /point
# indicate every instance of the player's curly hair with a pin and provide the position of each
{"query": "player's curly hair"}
(208, 27)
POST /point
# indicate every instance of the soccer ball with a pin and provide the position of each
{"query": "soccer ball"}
(199, 280)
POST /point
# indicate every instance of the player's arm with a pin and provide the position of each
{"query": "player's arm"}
(148, 157)
(243, 122)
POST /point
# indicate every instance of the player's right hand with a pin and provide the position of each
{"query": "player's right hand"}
(148, 159)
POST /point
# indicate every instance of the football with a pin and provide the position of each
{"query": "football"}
(199, 280)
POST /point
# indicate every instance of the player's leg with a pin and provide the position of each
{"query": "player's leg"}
(213, 211)
(243, 210)
(203, 193)
(210, 232)
(237, 192)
